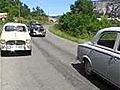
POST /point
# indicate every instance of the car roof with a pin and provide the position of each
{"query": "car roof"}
(110, 29)
(15, 24)
(36, 23)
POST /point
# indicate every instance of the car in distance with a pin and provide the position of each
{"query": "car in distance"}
(15, 38)
(102, 55)
(36, 29)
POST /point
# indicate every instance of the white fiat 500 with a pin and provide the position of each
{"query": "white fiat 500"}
(15, 38)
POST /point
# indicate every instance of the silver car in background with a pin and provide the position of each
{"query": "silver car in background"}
(102, 55)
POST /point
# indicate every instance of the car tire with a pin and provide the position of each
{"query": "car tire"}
(3, 53)
(88, 68)
(44, 35)
(29, 52)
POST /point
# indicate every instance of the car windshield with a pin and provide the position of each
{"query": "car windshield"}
(13, 28)
(21, 28)
(9, 28)
(37, 25)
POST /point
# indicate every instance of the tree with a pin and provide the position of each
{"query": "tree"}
(82, 6)
(16, 8)
(38, 11)
(81, 21)
(24, 11)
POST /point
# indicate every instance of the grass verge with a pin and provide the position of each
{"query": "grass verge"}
(58, 32)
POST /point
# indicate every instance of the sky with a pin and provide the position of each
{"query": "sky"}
(51, 7)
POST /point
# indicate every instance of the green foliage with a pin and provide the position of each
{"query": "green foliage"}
(54, 29)
(17, 9)
(39, 15)
(82, 6)
(38, 12)
(24, 11)
(81, 21)
(41, 19)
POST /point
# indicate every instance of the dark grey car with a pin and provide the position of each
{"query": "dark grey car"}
(37, 29)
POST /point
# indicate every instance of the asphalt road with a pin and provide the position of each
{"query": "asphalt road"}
(52, 66)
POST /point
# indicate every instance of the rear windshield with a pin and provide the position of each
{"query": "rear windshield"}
(9, 28)
(21, 28)
(38, 24)
(13, 28)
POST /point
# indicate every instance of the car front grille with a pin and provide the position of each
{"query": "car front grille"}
(15, 42)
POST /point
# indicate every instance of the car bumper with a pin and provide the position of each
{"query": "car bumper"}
(14, 48)
(38, 33)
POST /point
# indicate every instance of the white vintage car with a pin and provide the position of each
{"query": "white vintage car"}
(15, 38)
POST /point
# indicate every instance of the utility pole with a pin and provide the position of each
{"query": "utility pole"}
(19, 9)
(48, 15)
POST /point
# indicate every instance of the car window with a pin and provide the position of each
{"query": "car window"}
(37, 25)
(21, 28)
(9, 28)
(118, 47)
(33, 25)
(107, 39)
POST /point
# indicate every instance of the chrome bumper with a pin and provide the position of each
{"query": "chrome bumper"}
(16, 48)
(38, 33)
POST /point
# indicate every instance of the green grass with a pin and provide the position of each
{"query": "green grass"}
(66, 35)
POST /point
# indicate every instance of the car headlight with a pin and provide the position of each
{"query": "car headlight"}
(28, 41)
(2, 41)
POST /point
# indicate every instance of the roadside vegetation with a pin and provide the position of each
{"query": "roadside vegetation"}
(54, 29)
(20, 12)
(81, 22)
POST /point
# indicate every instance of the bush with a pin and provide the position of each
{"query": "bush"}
(81, 21)
(82, 25)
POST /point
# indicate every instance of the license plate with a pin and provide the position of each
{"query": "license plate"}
(15, 47)
(9, 47)
(20, 46)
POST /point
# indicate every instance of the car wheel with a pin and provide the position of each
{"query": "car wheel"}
(43, 35)
(88, 68)
(3, 53)
(29, 52)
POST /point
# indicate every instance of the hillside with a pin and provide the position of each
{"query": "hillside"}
(17, 10)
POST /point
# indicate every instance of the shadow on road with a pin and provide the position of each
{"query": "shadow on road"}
(42, 36)
(15, 54)
(95, 79)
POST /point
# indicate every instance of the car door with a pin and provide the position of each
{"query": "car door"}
(103, 51)
(114, 65)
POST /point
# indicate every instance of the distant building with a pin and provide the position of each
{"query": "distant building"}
(53, 18)
(3, 16)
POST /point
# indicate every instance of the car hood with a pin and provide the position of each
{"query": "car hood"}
(15, 36)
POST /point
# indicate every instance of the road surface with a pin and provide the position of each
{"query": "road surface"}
(52, 66)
